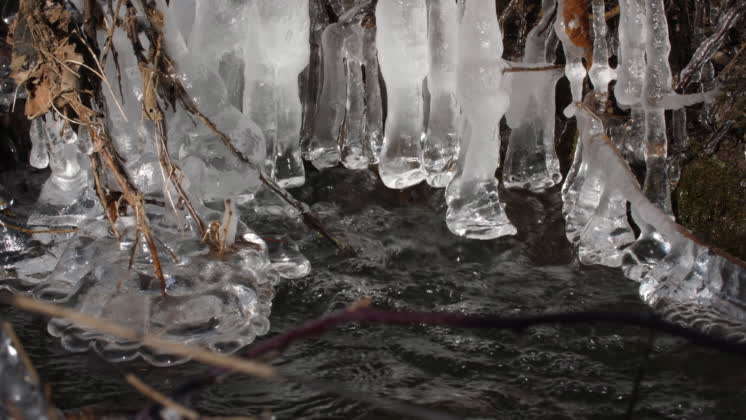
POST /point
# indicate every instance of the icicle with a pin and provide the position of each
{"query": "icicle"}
(631, 69)
(531, 161)
(340, 124)
(600, 224)
(311, 77)
(658, 84)
(474, 207)
(569, 21)
(354, 142)
(582, 190)
(280, 53)
(628, 90)
(64, 157)
(401, 39)
(353, 147)
(373, 102)
(440, 150)
(323, 148)
(39, 157)
(601, 74)
(680, 142)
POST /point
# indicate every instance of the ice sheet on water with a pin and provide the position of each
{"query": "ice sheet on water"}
(219, 303)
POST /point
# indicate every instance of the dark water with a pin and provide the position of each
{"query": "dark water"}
(407, 259)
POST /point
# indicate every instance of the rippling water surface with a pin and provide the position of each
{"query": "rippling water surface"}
(407, 259)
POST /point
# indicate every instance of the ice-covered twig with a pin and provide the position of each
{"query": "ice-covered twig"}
(730, 16)
(173, 86)
(231, 363)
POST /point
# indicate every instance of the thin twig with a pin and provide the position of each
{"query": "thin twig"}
(220, 361)
(732, 13)
(106, 82)
(37, 231)
(171, 347)
(517, 69)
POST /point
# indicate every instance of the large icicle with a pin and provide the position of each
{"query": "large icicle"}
(657, 85)
(601, 73)
(628, 90)
(323, 147)
(401, 39)
(353, 141)
(595, 213)
(341, 121)
(474, 207)
(440, 150)
(373, 100)
(276, 56)
(531, 161)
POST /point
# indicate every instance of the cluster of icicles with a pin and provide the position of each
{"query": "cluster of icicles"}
(285, 84)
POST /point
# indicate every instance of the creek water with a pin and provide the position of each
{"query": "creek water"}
(407, 259)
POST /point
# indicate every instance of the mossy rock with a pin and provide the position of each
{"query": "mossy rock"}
(711, 202)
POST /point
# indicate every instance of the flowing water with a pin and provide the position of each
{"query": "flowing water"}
(407, 259)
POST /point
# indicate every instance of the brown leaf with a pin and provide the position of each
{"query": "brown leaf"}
(575, 16)
(40, 97)
(150, 94)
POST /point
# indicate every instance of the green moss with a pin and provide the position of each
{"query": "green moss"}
(711, 202)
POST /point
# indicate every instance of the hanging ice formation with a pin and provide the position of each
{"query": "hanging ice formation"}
(291, 76)
(403, 58)
(441, 144)
(531, 161)
(474, 206)
(348, 115)
(682, 278)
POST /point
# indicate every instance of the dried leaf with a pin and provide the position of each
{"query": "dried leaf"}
(575, 16)
(40, 97)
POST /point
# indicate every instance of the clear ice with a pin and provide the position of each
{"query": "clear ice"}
(574, 69)
(531, 161)
(401, 39)
(276, 51)
(21, 393)
(474, 206)
(441, 145)
(348, 112)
